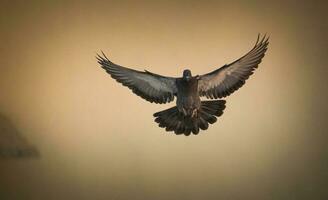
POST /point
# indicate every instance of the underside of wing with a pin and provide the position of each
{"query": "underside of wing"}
(229, 78)
(151, 87)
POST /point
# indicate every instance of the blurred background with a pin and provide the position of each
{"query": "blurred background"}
(87, 137)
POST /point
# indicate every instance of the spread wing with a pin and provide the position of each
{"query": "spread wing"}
(229, 78)
(150, 86)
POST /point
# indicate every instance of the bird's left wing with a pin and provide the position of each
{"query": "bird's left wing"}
(229, 78)
(152, 87)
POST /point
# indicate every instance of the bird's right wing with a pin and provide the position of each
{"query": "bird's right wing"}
(152, 87)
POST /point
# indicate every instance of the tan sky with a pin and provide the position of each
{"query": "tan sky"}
(97, 140)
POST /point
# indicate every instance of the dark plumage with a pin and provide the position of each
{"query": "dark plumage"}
(190, 113)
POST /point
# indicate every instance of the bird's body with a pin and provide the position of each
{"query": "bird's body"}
(190, 113)
(188, 100)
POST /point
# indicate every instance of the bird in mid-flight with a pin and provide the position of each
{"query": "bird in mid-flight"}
(190, 113)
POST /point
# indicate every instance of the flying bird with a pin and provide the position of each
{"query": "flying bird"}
(190, 113)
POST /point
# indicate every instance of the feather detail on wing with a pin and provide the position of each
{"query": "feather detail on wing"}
(229, 78)
(152, 87)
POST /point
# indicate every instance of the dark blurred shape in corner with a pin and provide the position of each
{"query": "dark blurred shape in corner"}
(12, 143)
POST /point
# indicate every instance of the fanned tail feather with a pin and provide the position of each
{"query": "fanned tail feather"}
(172, 120)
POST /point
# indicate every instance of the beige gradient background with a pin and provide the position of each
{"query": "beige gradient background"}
(98, 141)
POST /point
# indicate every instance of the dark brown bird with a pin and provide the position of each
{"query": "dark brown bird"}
(190, 113)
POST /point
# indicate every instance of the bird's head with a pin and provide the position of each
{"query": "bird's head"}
(186, 74)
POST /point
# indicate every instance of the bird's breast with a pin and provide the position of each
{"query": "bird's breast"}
(188, 97)
(188, 88)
